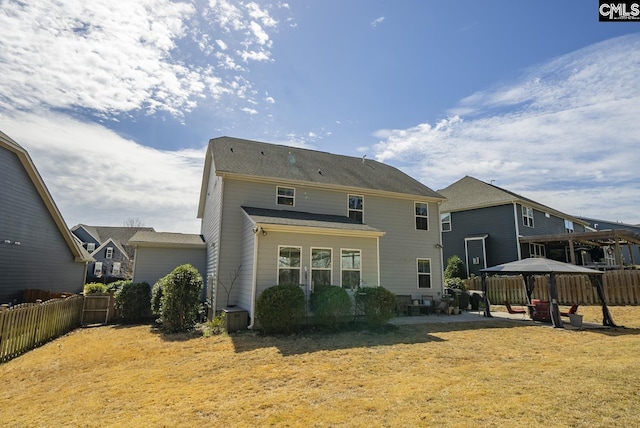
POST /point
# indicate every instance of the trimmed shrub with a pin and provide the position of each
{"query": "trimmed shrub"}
(180, 301)
(94, 288)
(331, 306)
(378, 305)
(281, 308)
(455, 268)
(156, 295)
(133, 301)
(116, 286)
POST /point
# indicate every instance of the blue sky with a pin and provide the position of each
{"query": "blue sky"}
(116, 100)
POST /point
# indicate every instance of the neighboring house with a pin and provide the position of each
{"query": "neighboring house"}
(108, 246)
(158, 253)
(486, 225)
(37, 251)
(275, 214)
(630, 252)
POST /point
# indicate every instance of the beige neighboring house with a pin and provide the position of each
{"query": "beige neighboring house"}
(274, 214)
(158, 253)
(37, 251)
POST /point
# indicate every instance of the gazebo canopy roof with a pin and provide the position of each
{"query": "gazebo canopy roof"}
(540, 266)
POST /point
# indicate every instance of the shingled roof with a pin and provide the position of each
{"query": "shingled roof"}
(245, 158)
(470, 193)
(145, 238)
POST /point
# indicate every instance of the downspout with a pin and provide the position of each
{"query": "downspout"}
(378, 256)
(515, 217)
(254, 280)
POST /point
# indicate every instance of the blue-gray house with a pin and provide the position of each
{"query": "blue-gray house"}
(37, 251)
(486, 225)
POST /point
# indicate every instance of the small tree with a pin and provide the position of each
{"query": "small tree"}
(180, 301)
(455, 268)
(132, 300)
(378, 305)
(228, 287)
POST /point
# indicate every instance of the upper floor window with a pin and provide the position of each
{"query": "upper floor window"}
(288, 265)
(445, 220)
(424, 273)
(91, 246)
(286, 196)
(321, 266)
(356, 207)
(109, 253)
(568, 226)
(422, 216)
(350, 267)
(527, 216)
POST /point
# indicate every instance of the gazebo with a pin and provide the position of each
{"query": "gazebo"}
(530, 267)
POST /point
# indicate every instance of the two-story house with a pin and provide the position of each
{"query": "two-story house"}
(486, 225)
(274, 214)
(108, 245)
(36, 249)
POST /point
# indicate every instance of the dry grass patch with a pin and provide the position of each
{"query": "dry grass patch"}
(490, 374)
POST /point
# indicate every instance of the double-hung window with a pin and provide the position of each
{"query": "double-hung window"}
(97, 269)
(115, 270)
(288, 265)
(445, 221)
(91, 247)
(350, 268)
(424, 273)
(568, 226)
(356, 207)
(527, 216)
(109, 253)
(422, 216)
(321, 266)
(285, 196)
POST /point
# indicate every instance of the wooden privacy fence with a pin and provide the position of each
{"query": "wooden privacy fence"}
(621, 287)
(25, 326)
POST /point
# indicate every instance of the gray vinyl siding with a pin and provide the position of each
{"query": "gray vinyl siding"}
(152, 263)
(543, 225)
(43, 260)
(267, 269)
(401, 246)
(497, 222)
(210, 230)
(85, 237)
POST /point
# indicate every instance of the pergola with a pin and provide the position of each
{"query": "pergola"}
(614, 238)
(530, 267)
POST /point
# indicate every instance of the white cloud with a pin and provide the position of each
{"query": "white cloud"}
(121, 57)
(568, 130)
(377, 21)
(98, 178)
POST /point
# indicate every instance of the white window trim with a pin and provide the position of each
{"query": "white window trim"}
(91, 246)
(278, 195)
(415, 214)
(349, 209)
(350, 270)
(418, 273)
(330, 268)
(278, 263)
(537, 250)
(569, 226)
(116, 268)
(97, 269)
(526, 217)
(108, 253)
(442, 222)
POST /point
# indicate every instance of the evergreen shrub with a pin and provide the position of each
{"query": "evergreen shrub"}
(281, 309)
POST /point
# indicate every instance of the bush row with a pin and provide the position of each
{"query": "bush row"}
(281, 308)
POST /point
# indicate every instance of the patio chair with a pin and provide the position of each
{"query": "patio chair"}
(512, 310)
(402, 303)
(572, 310)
